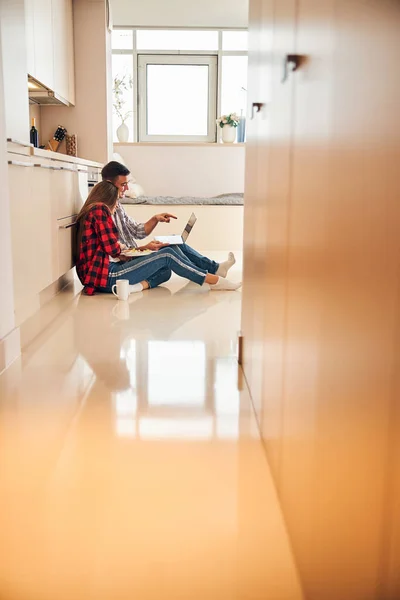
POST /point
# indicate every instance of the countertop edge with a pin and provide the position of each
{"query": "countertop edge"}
(64, 157)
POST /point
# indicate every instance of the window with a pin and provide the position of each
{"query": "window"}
(170, 85)
(177, 98)
(176, 40)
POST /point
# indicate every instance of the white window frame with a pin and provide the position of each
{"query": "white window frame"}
(208, 60)
(134, 53)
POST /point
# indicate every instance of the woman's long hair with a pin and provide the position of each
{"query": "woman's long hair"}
(104, 193)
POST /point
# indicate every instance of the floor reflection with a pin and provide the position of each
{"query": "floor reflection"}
(130, 460)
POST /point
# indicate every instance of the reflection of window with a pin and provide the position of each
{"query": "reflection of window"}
(125, 427)
(173, 102)
(176, 373)
(226, 393)
(125, 403)
(227, 399)
(177, 97)
(193, 429)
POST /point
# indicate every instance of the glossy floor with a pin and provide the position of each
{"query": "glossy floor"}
(130, 462)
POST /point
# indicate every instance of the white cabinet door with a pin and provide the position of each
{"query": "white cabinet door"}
(65, 190)
(23, 236)
(60, 47)
(43, 31)
(70, 51)
(30, 36)
(66, 232)
(43, 222)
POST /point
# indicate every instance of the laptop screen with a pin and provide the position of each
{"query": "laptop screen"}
(189, 226)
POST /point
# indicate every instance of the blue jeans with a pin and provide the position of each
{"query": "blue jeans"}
(156, 268)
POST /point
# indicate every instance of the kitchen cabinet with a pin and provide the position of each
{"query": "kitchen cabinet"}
(23, 215)
(47, 191)
(63, 51)
(50, 45)
(30, 36)
(44, 178)
(43, 42)
(43, 196)
(14, 102)
(66, 208)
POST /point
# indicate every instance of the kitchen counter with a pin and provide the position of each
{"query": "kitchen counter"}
(26, 149)
(64, 157)
(222, 200)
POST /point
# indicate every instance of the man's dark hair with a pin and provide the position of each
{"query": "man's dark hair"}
(114, 169)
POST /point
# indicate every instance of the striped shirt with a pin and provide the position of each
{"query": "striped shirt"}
(128, 230)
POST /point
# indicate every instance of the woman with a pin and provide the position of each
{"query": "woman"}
(97, 241)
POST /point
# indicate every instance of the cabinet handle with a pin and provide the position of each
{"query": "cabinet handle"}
(67, 169)
(291, 63)
(67, 226)
(19, 163)
(82, 170)
(47, 167)
(25, 144)
(256, 105)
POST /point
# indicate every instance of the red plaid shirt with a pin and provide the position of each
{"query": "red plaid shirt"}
(99, 239)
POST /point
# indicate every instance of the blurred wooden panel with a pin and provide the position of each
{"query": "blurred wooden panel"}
(326, 292)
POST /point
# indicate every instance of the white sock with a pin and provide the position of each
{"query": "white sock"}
(225, 284)
(226, 265)
(137, 287)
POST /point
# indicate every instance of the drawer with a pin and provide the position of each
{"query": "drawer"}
(66, 237)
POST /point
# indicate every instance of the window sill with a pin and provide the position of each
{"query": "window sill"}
(203, 144)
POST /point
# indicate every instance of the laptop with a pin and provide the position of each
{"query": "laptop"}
(174, 240)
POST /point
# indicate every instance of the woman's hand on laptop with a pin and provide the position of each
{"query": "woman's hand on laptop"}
(165, 217)
(153, 246)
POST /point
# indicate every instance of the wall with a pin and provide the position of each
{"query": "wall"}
(180, 13)
(218, 228)
(9, 336)
(321, 292)
(89, 119)
(185, 170)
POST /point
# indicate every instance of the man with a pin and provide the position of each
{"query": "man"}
(130, 231)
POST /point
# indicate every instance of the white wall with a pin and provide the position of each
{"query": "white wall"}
(180, 13)
(172, 170)
(218, 228)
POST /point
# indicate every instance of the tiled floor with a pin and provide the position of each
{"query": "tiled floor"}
(130, 463)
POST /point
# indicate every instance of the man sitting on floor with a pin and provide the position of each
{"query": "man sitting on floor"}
(130, 231)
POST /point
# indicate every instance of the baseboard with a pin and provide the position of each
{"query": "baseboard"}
(10, 348)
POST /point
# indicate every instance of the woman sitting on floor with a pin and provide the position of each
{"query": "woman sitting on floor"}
(97, 241)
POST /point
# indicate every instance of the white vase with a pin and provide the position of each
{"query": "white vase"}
(228, 134)
(123, 133)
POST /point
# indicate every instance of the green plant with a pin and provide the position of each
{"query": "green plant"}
(120, 86)
(232, 119)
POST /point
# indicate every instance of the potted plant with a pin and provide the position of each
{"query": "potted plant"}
(228, 124)
(120, 86)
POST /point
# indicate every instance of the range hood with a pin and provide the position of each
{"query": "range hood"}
(39, 94)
